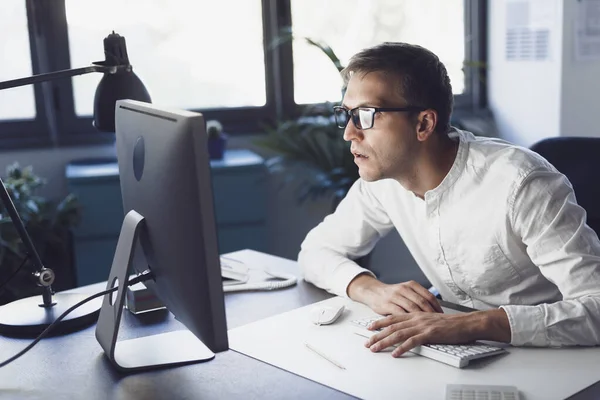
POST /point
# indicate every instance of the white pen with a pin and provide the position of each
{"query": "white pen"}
(324, 356)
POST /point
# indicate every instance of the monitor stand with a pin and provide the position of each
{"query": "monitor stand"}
(149, 352)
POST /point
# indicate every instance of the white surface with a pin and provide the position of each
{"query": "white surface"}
(281, 341)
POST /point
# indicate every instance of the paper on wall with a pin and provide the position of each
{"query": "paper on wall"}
(587, 30)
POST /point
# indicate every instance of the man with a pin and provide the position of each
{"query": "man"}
(493, 226)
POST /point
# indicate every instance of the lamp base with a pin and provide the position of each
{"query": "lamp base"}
(28, 318)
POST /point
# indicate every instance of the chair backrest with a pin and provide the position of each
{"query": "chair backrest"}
(578, 158)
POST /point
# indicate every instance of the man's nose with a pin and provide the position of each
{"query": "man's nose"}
(351, 132)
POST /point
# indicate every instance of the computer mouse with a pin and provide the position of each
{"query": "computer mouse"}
(325, 315)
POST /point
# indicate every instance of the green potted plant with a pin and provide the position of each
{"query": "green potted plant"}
(217, 139)
(312, 142)
(311, 153)
(47, 223)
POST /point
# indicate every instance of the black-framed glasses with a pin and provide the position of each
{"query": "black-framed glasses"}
(363, 117)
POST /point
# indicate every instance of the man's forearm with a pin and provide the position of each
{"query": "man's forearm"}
(490, 325)
(361, 287)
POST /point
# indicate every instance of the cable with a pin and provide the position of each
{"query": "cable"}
(146, 275)
(14, 273)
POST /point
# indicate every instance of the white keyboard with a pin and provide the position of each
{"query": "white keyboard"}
(457, 355)
(481, 392)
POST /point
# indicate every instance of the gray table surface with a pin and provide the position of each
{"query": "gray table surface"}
(74, 366)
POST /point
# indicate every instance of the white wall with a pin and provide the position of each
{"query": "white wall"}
(580, 100)
(523, 95)
(532, 100)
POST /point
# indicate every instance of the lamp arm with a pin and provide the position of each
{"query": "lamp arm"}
(65, 73)
(44, 276)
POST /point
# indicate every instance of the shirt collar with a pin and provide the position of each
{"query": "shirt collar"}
(458, 165)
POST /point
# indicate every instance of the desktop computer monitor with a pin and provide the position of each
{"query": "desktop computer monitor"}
(167, 195)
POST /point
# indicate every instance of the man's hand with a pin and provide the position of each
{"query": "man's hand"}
(414, 329)
(392, 299)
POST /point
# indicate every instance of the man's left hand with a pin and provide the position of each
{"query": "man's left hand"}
(414, 329)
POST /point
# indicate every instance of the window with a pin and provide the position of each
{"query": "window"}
(193, 59)
(363, 23)
(217, 57)
(15, 103)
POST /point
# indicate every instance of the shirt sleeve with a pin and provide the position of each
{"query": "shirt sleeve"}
(546, 216)
(327, 253)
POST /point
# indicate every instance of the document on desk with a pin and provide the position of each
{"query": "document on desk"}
(346, 365)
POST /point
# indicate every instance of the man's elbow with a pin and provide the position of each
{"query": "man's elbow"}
(305, 264)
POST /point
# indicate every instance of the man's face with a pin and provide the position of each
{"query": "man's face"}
(388, 149)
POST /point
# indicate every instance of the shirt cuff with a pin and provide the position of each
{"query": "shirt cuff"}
(344, 274)
(526, 326)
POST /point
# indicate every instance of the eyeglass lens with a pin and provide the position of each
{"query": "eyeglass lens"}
(341, 117)
(361, 117)
(365, 118)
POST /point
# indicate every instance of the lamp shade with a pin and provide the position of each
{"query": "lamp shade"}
(124, 84)
(113, 87)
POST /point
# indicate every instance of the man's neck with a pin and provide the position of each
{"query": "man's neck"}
(432, 167)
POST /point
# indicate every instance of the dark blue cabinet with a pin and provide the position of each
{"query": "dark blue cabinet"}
(239, 190)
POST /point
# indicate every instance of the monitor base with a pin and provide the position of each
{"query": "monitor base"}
(149, 352)
(169, 349)
(28, 318)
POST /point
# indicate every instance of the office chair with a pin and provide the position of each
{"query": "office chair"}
(578, 158)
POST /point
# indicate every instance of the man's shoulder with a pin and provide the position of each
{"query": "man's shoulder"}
(493, 155)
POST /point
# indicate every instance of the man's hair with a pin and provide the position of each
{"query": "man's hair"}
(423, 80)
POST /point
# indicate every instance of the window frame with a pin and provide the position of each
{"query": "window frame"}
(57, 125)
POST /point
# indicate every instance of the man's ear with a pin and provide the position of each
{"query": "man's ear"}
(426, 123)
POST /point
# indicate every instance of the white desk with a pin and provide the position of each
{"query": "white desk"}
(74, 366)
(538, 373)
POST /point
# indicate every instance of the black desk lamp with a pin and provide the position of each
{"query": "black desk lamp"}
(29, 316)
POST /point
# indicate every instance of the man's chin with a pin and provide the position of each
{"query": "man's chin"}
(368, 177)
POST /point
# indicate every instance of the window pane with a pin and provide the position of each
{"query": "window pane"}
(434, 24)
(189, 54)
(15, 103)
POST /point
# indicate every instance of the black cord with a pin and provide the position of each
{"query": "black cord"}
(14, 273)
(140, 278)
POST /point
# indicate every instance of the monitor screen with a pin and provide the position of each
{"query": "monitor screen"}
(165, 176)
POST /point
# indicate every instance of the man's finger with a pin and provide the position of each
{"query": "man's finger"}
(378, 336)
(407, 304)
(409, 344)
(427, 296)
(388, 330)
(415, 301)
(387, 321)
(393, 337)
(395, 309)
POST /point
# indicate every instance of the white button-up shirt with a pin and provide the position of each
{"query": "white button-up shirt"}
(503, 229)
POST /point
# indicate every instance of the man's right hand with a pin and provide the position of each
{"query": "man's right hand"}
(387, 299)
